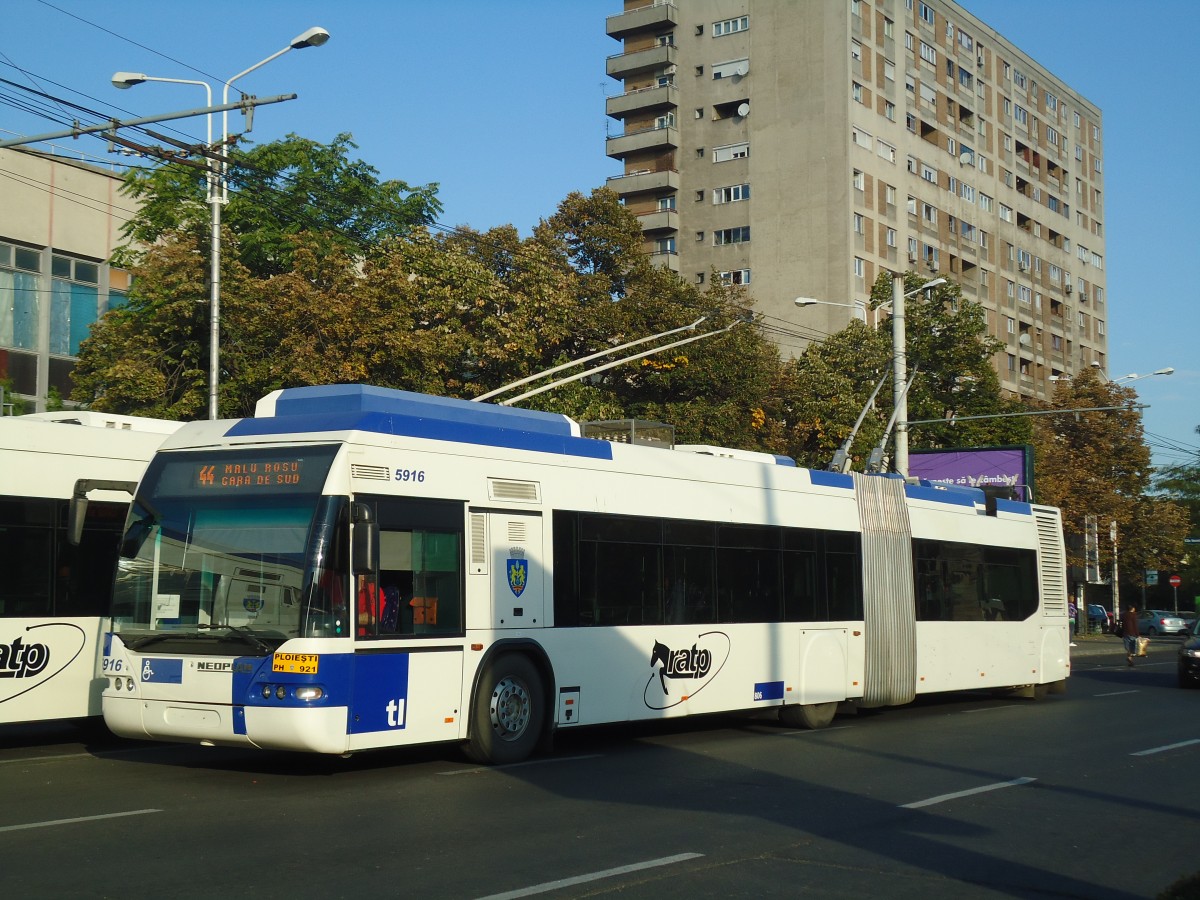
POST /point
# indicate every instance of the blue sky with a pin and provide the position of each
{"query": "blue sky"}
(502, 104)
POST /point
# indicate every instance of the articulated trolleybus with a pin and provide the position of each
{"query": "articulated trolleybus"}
(357, 568)
(55, 595)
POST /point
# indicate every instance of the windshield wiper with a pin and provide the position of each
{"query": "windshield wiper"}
(139, 643)
(246, 636)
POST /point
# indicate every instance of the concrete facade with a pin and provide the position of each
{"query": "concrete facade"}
(60, 220)
(802, 148)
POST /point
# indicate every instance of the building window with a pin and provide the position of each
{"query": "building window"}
(891, 237)
(889, 70)
(889, 27)
(985, 202)
(928, 53)
(731, 194)
(886, 150)
(889, 113)
(860, 267)
(860, 137)
(666, 202)
(74, 303)
(860, 180)
(731, 151)
(731, 236)
(859, 224)
(889, 195)
(926, 13)
(730, 69)
(730, 26)
(737, 276)
(929, 173)
(857, 92)
(19, 293)
(856, 51)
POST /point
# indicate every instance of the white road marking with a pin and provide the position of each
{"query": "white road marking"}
(52, 822)
(593, 876)
(942, 798)
(1115, 694)
(1166, 747)
(989, 708)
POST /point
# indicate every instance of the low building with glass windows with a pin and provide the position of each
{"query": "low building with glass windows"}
(60, 220)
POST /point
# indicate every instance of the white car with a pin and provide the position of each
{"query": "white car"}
(1159, 621)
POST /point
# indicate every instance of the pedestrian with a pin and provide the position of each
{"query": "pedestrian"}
(1073, 613)
(1129, 629)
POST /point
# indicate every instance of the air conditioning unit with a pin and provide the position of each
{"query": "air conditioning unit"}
(1069, 287)
(1023, 266)
(932, 264)
(670, 70)
(912, 257)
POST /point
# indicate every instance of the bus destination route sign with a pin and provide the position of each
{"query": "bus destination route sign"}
(233, 474)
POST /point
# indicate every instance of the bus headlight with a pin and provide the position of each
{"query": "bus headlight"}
(280, 692)
(266, 692)
(309, 692)
(129, 684)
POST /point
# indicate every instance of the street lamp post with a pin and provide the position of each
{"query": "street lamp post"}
(899, 359)
(218, 191)
(1134, 376)
(900, 367)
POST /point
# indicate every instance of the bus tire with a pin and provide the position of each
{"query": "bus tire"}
(508, 712)
(808, 715)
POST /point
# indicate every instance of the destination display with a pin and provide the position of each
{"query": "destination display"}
(242, 473)
(251, 471)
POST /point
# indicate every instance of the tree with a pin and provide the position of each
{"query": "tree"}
(1097, 463)
(278, 190)
(948, 349)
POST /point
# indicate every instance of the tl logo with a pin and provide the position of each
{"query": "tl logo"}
(518, 570)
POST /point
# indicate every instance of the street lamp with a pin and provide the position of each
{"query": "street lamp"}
(900, 366)
(1133, 376)
(899, 360)
(218, 189)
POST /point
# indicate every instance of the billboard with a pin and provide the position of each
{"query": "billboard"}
(998, 471)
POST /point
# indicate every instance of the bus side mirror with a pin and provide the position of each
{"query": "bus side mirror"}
(77, 511)
(364, 545)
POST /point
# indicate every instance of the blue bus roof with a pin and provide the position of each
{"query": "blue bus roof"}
(360, 407)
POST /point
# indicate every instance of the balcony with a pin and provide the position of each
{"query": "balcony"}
(659, 220)
(650, 99)
(665, 137)
(644, 181)
(635, 62)
(655, 16)
(665, 259)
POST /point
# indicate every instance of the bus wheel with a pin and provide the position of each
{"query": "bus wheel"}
(807, 715)
(506, 721)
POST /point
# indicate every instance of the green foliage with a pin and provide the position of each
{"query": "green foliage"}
(54, 400)
(947, 345)
(278, 190)
(1097, 463)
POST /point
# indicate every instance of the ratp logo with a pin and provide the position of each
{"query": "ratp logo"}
(27, 664)
(683, 673)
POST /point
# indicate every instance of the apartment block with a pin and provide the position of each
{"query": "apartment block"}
(802, 148)
(60, 220)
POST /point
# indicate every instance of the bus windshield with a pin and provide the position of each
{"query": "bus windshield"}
(234, 545)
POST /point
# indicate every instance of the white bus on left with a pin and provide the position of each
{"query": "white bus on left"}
(55, 594)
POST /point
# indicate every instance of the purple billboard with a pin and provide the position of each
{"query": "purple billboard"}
(998, 471)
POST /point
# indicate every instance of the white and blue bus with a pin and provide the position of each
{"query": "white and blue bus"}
(56, 588)
(357, 568)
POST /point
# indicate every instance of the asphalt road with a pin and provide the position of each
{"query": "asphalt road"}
(1089, 794)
